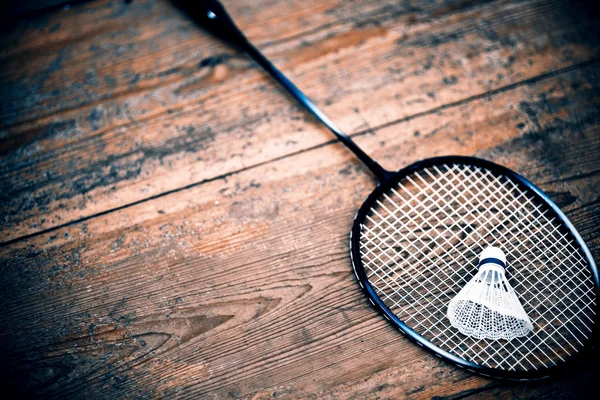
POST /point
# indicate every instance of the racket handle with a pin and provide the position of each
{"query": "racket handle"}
(212, 16)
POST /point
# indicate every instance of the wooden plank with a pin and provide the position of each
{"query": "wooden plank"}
(242, 286)
(145, 41)
(166, 106)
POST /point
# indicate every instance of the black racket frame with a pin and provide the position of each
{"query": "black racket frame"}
(392, 179)
(213, 17)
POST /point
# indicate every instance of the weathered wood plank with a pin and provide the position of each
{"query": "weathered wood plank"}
(168, 106)
(242, 286)
(145, 42)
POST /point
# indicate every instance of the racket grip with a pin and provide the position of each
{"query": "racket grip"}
(212, 16)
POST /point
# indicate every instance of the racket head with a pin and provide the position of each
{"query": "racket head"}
(383, 254)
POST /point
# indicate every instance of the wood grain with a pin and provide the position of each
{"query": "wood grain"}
(163, 107)
(224, 271)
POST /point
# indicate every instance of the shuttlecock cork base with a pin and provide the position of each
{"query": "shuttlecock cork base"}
(488, 307)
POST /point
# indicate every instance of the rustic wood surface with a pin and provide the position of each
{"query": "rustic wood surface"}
(174, 225)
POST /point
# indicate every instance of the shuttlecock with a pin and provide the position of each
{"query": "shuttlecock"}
(488, 307)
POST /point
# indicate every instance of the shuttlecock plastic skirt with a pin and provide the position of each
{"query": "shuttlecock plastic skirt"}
(488, 308)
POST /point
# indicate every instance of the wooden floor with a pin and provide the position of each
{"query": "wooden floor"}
(174, 225)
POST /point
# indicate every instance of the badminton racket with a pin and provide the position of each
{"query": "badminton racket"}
(416, 239)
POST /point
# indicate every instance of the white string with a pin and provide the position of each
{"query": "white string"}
(419, 245)
(561, 262)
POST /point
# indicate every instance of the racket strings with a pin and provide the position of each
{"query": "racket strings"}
(420, 243)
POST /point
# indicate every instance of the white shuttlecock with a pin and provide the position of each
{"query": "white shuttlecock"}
(488, 307)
